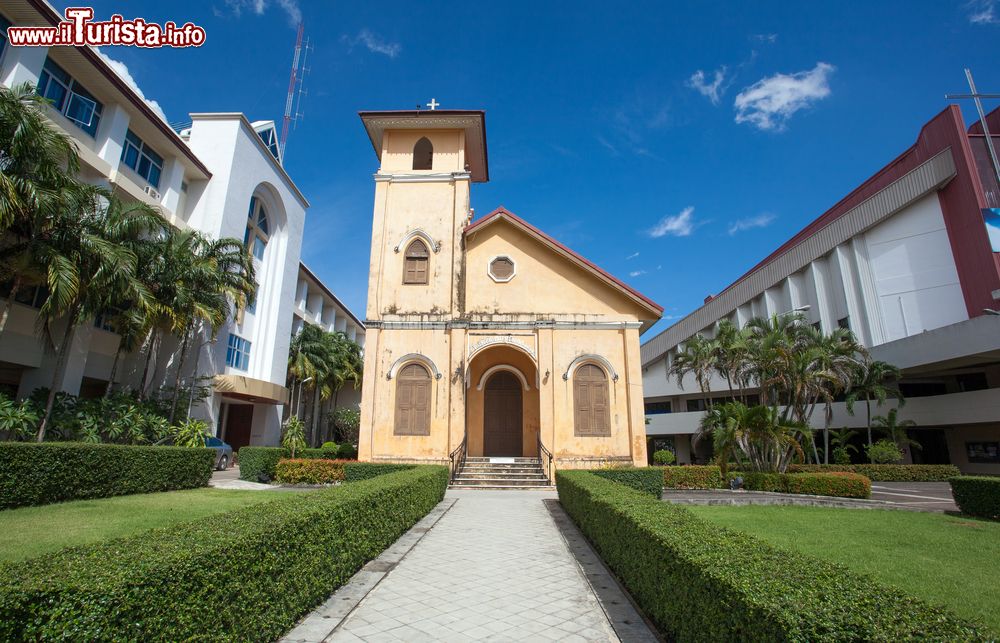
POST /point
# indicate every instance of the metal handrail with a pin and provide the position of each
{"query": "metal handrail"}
(548, 454)
(459, 453)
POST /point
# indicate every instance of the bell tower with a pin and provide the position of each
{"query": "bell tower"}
(428, 161)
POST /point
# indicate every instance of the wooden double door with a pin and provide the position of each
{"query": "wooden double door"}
(503, 428)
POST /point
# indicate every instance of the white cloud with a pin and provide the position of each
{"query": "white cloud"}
(258, 7)
(983, 12)
(374, 43)
(769, 38)
(607, 145)
(748, 223)
(636, 273)
(712, 91)
(771, 101)
(677, 225)
(121, 69)
(632, 256)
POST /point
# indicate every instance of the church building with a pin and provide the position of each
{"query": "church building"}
(486, 337)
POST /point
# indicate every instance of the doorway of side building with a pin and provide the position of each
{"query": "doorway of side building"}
(237, 424)
(933, 447)
(503, 428)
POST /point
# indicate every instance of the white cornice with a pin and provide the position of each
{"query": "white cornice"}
(442, 177)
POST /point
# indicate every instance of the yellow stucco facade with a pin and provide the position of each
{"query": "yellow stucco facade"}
(489, 335)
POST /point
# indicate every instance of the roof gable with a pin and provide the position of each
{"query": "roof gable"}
(502, 214)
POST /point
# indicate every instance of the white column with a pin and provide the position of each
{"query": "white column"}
(170, 184)
(22, 65)
(110, 137)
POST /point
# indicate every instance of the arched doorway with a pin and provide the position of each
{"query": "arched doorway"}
(502, 415)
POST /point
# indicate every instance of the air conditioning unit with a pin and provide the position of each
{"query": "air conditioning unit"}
(151, 191)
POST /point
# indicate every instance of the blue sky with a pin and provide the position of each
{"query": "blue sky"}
(673, 143)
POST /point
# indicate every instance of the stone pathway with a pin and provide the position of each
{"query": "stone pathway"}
(493, 566)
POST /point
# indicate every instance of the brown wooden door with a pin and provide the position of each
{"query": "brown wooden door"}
(239, 419)
(502, 431)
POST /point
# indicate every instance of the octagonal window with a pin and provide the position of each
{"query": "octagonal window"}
(502, 269)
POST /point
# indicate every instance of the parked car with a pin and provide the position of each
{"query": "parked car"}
(223, 452)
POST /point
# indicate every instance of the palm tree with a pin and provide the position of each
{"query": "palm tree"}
(894, 428)
(38, 166)
(840, 440)
(874, 380)
(698, 358)
(766, 440)
(88, 254)
(731, 353)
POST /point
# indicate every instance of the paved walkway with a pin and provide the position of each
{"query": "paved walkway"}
(494, 566)
(926, 496)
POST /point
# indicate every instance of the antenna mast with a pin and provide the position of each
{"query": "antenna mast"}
(292, 81)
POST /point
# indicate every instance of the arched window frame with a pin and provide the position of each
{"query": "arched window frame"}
(258, 229)
(416, 263)
(423, 154)
(591, 401)
(412, 403)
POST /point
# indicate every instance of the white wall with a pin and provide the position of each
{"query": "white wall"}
(914, 271)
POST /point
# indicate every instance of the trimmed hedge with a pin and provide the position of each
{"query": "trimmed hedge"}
(355, 471)
(309, 471)
(692, 477)
(645, 479)
(255, 461)
(977, 495)
(699, 582)
(245, 575)
(39, 474)
(885, 472)
(841, 484)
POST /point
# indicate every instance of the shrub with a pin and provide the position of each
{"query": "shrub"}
(309, 471)
(259, 461)
(294, 436)
(977, 495)
(692, 477)
(346, 423)
(355, 471)
(884, 452)
(698, 581)
(347, 452)
(755, 481)
(840, 484)
(647, 479)
(841, 455)
(664, 457)
(886, 472)
(39, 474)
(245, 575)
(190, 433)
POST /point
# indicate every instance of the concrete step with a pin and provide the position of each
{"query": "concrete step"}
(504, 481)
(515, 460)
(512, 470)
(477, 475)
(502, 487)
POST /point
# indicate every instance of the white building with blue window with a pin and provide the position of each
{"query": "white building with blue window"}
(221, 175)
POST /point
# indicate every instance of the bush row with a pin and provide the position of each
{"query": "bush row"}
(255, 461)
(647, 479)
(697, 581)
(39, 474)
(309, 471)
(977, 495)
(692, 477)
(841, 484)
(245, 575)
(885, 472)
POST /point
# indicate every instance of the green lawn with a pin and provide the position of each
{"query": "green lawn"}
(31, 531)
(948, 560)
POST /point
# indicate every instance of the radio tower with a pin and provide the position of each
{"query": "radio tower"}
(298, 72)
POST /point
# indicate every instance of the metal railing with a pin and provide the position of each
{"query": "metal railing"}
(545, 456)
(457, 457)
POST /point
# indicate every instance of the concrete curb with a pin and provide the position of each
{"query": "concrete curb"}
(742, 498)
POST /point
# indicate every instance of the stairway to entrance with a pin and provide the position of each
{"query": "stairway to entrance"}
(501, 473)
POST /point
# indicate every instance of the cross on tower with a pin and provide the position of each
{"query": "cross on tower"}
(976, 97)
(433, 104)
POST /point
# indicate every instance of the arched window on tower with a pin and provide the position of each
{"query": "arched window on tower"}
(423, 154)
(413, 401)
(591, 412)
(415, 263)
(258, 229)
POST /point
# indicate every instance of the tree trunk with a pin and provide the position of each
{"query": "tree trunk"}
(16, 286)
(315, 415)
(194, 374)
(149, 358)
(177, 375)
(868, 405)
(114, 370)
(62, 358)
